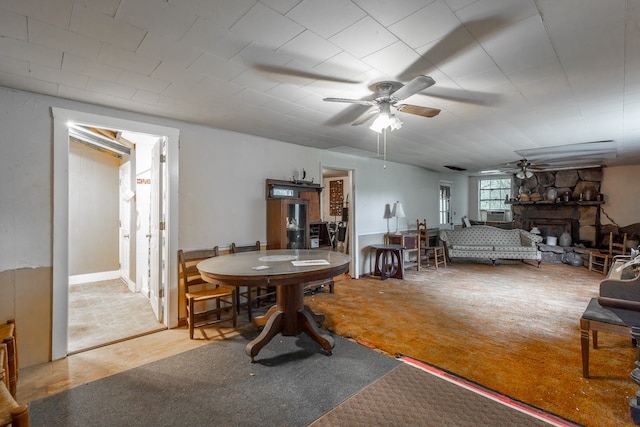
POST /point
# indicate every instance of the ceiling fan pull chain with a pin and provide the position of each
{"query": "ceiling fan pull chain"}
(384, 147)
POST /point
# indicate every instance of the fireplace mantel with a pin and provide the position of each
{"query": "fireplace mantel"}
(544, 202)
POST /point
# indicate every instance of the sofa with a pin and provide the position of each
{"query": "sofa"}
(482, 241)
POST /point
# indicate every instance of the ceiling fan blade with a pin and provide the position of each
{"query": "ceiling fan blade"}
(418, 110)
(365, 117)
(350, 101)
(411, 88)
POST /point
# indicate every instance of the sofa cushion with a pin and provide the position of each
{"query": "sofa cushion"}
(514, 248)
(471, 248)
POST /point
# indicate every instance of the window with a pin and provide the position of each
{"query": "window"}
(445, 204)
(493, 193)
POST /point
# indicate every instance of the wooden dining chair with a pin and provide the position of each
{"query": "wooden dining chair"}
(427, 250)
(200, 295)
(253, 295)
(8, 336)
(601, 261)
(11, 413)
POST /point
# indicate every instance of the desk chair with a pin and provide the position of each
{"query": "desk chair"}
(428, 251)
(200, 295)
(261, 292)
(601, 261)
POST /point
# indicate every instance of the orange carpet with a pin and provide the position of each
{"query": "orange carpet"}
(512, 328)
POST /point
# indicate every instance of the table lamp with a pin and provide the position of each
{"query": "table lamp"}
(398, 213)
(387, 215)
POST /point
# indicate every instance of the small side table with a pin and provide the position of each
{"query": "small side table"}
(389, 261)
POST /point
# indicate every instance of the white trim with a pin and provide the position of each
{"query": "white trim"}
(60, 295)
(94, 277)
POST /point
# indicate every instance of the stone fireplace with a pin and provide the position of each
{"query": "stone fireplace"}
(578, 213)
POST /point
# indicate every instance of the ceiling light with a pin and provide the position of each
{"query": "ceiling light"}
(385, 119)
(524, 174)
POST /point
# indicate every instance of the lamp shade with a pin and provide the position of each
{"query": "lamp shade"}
(387, 211)
(398, 212)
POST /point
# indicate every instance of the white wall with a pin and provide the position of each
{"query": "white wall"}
(221, 191)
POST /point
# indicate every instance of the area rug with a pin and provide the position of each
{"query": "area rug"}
(292, 382)
(419, 394)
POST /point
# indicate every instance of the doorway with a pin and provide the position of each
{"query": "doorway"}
(110, 180)
(338, 210)
(165, 222)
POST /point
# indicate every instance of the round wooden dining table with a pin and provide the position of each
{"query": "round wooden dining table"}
(288, 270)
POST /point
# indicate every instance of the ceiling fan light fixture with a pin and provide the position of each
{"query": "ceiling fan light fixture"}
(384, 121)
(524, 174)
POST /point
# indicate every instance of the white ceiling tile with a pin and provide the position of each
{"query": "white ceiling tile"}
(172, 72)
(490, 12)
(56, 12)
(214, 65)
(254, 80)
(57, 76)
(254, 55)
(327, 17)
(172, 20)
(344, 66)
(281, 6)
(309, 49)
(30, 52)
(13, 25)
(266, 27)
(395, 59)
(532, 49)
(11, 65)
(44, 34)
(106, 7)
(251, 97)
(363, 38)
(102, 27)
(127, 60)
(219, 13)
(206, 36)
(146, 97)
(140, 81)
(89, 67)
(25, 83)
(156, 45)
(288, 93)
(389, 12)
(110, 88)
(415, 31)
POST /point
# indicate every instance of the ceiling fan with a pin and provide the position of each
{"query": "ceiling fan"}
(524, 169)
(387, 94)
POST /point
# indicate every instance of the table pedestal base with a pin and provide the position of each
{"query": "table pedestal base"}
(289, 317)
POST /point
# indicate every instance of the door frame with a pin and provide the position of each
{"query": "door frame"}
(351, 223)
(60, 249)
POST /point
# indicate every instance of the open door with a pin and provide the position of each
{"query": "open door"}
(127, 208)
(156, 230)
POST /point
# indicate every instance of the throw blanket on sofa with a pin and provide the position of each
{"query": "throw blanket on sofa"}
(482, 241)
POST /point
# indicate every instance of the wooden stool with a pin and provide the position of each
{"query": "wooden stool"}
(389, 261)
(439, 256)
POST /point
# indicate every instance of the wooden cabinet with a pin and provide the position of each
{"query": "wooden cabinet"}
(287, 223)
(411, 244)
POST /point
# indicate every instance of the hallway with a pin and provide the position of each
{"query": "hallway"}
(105, 312)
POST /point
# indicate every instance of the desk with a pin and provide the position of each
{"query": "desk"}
(389, 261)
(289, 316)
